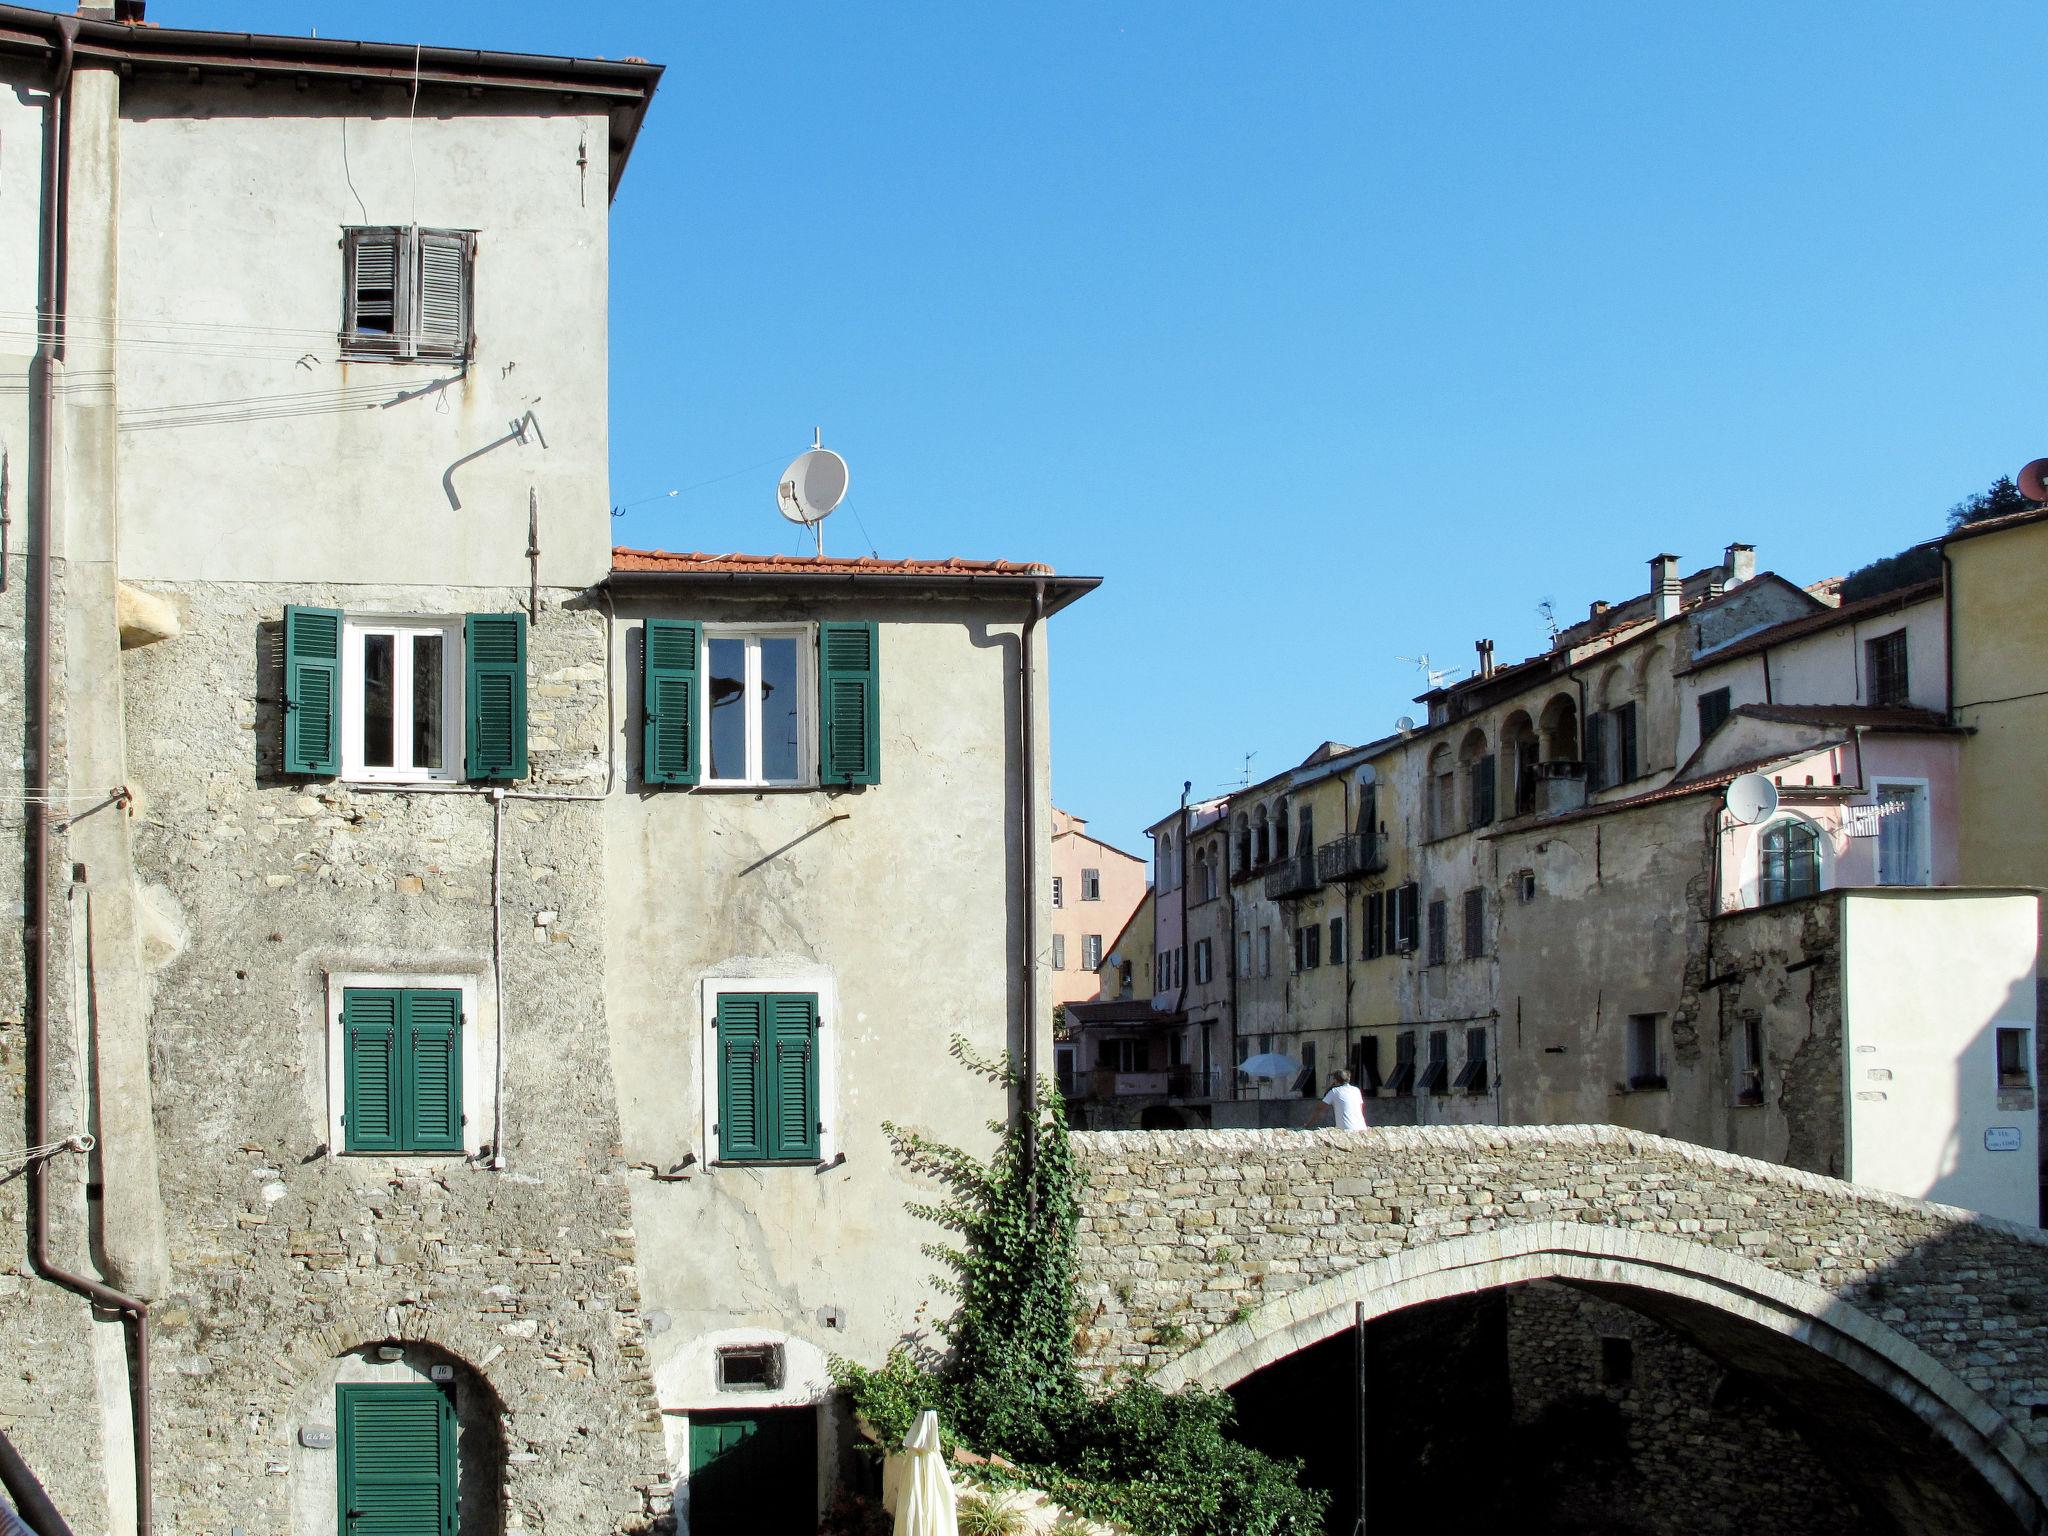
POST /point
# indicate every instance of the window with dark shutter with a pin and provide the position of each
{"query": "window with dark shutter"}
(1483, 777)
(1885, 666)
(495, 648)
(849, 704)
(406, 293)
(1439, 923)
(402, 1069)
(1472, 1077)
(1713, 707)
(668, 701)
(1365, 1064)
(1375, 925)
(1625, 763)
(312, 690)
(1475, 924)
(1597, 776)
(1410, 915)
(395, 1456)
(768, 1099)
(1436, 1076)
(1402, 1081)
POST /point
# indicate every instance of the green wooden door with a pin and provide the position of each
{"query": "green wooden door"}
(754, 1474)
(396, 1450)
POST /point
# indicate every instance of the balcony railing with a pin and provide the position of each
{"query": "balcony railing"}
(1350, 857)
(1291, 877)
(1166, 1083)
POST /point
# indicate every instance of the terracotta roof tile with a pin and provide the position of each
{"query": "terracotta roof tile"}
(1720, 778)
(806, 565)
(1867, 716)
(1996, 524)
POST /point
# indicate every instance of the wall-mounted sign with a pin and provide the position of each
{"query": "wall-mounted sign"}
(317, 1437)
(440, 1373)
(2002, 1138)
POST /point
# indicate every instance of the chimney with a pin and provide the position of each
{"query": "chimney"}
(1740, 563)
(1598, 611)
(1665, 589)
(1485, 657)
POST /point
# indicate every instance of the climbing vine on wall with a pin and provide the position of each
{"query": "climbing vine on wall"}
(1006, 1385)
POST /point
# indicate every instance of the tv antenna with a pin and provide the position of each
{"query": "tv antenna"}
(811, 487)
(1437, 676)
(1547, 610)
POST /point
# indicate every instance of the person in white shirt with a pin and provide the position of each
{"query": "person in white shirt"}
(1343, 1101)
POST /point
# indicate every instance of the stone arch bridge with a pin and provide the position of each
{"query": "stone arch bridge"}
(1909, 1333)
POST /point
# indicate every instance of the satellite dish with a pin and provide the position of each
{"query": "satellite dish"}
(1367, 774)
(1751, 798)
(2033, 481)
(812, 486)
(1405, 724)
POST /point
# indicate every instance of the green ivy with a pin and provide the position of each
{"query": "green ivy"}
(1156, 1463)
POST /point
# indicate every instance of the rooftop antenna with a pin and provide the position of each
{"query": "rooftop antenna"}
(1437, 676)
(1548, 610)
(811, 487)
(1246, 781)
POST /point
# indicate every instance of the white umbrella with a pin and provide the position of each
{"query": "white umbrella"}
(1270, 1064)
(925, 1506)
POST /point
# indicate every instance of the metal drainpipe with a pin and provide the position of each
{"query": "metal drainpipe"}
(1180, 880)
(35, 887)
(1027, 779)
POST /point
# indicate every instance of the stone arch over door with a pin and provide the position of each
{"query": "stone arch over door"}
(1695, 1289)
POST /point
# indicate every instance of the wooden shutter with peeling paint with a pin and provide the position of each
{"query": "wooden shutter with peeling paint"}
(441, 321)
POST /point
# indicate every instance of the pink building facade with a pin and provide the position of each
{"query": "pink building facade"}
(1095, 889)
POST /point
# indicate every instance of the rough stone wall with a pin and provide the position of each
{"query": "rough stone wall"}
(284, 1257)
(1185, 1233)
(1700, 1456)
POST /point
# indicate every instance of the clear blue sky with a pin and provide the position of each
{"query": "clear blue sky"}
(1326, 333)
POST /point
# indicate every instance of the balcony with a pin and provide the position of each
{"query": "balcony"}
(1351, 857)
(1183, 1082)
(1291, 877)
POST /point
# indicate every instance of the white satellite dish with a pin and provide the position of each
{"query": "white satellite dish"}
(1751, 798)
(811, 487)
(1367, 774)
(1405, 724)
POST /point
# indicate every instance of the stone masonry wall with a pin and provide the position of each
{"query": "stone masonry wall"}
(1186, 1233)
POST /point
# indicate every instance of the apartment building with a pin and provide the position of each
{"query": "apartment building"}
(1095, 889)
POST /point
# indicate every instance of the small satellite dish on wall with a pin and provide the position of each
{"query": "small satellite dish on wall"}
(1367, 774)
(1751, 798)
(1405, 724)
(811, 487)
(2033, 481)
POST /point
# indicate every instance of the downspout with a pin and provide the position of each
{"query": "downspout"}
(36, 881)
(1027, 842)
(1180, 875)
(1948, 638)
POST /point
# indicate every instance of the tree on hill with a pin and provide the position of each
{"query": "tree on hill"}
(1923, 561)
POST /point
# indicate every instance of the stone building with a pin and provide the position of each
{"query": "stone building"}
(465, 976)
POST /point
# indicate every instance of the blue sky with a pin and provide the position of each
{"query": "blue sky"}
(1326, 333)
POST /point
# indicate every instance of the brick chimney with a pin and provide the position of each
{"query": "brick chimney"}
(1485, 648)
(1598, 611)
(1740, 563)
(1665, 589)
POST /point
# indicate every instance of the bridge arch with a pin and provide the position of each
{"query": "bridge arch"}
(1692, 1287)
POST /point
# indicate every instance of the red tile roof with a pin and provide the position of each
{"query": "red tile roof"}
(1813, 623)
(1997, 524)
(1867, 716)
(806, 565)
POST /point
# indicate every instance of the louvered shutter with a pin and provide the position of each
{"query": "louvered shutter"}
(742, 1078)
(372, 1075)
(1625, 742)
(396, 1444)
(668, 688)
(433, 1077)
(1483, 780)
(1411, 911)
(849, 705)
(793, 1090)
(1596, 751)
(494, 646)
(442, 320)
(372, 260)
(312, 690)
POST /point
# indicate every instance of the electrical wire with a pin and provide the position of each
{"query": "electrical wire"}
(82, 1142)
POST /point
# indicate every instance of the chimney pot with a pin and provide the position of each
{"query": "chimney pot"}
(1598, 610)
(1485, 648)
(1740, 562)
(1665, 589)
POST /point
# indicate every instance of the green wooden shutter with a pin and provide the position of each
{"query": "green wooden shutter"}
(668, 678)
(793, 1089)
(742, 1114)
(312, 690)
(395, 1443)
(433, 1077)
(372, 1076)
(494, 645)
(849, 705)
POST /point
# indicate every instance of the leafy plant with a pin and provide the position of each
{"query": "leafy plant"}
(991, 1514)
(1155, 1463)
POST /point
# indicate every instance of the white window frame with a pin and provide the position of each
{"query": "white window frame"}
(479, 1059)
(355, 629)
(1923, 829)
(1059, 951)
(1091, 951)
(821, 987)
(805, 636)
(1059, 891)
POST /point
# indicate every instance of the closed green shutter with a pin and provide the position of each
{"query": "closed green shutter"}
(849, 705)
(793, 1089)
(494, 645)
(395, 1443)
(742, 1114)
(668, 676)
(373, 1077)
(433, 1051)
(312, 690)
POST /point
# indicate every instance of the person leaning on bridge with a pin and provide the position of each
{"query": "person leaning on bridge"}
(1344, 1101)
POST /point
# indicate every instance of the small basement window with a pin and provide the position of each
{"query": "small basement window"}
(2015, 1058)
(750, 1368)
(405, 293)
(1645, 1056)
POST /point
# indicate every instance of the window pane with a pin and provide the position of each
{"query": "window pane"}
(728, 708)
(779, 708)
(426, 700)
(377, 652)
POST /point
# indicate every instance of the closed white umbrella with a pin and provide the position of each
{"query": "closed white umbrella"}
(926, 1505)
(1270, 1064)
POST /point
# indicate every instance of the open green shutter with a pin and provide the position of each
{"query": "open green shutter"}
(433, 1057)
(494, 646)
(742, 1079)
(312, 690)
(396, 1445)
(793, 1088)
(849, 705)
(371, 1072)
(668, 677)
